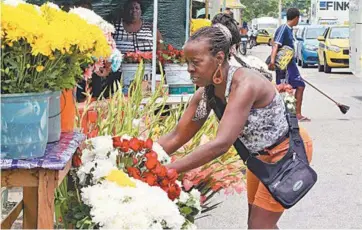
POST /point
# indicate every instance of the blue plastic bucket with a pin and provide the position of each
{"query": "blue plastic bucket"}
(24, 125)
(54, 129)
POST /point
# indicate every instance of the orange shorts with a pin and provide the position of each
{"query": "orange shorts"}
(258, 195)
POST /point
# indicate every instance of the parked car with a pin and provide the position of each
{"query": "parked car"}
(307, 46)
(297, 30)
(333, 51)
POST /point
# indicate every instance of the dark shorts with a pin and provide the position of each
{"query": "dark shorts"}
(290, 76)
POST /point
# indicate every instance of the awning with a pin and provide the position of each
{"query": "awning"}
(232, 4)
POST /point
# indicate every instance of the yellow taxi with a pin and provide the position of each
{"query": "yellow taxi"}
(264, 37)
(333, 50)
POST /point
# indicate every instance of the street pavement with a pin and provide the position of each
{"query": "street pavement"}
(336, 199)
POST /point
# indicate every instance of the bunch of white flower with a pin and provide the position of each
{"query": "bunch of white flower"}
(98, 159)
(143, 207)
(191, 199)
(92, 18)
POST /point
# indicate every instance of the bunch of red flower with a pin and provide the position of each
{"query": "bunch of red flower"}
(136, 57)
(146, 167)
(171, 55)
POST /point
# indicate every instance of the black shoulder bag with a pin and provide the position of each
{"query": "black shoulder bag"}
(289, 179)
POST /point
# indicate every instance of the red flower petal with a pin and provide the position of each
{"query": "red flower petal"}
(151, 163)
(148, 144)
(135, 145)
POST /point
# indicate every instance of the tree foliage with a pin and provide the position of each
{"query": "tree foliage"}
(262, 8)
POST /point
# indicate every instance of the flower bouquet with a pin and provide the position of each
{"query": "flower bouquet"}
(45, 48)
(127, 173)
(287, 93)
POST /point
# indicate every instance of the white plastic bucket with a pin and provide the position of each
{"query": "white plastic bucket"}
(129, 71)
(178, 79)
(177, 74)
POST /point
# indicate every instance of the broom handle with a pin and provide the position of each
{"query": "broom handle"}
(319, 91)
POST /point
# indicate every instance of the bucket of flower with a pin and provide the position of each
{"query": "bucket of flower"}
(130, 64)
(44, 51)
(177, 77)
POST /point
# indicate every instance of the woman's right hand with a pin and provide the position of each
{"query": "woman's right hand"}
(185, 129)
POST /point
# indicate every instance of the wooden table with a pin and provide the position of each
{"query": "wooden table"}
(39, 184)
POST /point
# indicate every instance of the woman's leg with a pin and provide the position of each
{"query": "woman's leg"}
(263, 219)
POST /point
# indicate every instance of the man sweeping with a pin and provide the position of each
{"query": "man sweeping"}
(284, 37)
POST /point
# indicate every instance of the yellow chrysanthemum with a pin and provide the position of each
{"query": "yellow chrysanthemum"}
(48, 30)
(39, 68)
(121, 178)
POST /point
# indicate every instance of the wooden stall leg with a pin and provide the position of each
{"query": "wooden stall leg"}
(30, 198)
(46, 202)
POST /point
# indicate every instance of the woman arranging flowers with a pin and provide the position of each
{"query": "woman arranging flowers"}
(255, 114)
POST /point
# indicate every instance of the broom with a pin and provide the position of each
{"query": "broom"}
(343, 108)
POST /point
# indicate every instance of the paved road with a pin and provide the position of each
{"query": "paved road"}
(336, 199)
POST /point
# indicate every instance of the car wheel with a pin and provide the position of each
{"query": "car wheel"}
(299, 62)
(320, 67)
(270, 42)
(303, 64)
(327, 68)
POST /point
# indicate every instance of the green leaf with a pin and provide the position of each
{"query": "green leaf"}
(186, 210)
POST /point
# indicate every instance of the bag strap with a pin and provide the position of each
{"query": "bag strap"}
(295, 140)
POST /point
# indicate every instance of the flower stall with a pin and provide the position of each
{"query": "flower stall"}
(117, 177)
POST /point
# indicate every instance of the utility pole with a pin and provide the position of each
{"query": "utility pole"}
(280, 12)
(206, 9)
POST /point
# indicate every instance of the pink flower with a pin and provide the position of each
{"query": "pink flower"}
(187, 184)
(239, 188)
(203, 199)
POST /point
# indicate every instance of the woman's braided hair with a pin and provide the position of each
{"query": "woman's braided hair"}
(231, 24)
(217, 39)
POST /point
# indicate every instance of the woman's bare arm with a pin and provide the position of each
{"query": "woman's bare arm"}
(185, 129)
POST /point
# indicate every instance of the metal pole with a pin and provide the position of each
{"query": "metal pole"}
(154, 50)
(187, 20)
(280, 12)
(206, 9)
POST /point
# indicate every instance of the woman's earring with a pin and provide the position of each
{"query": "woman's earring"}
(218, 80)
